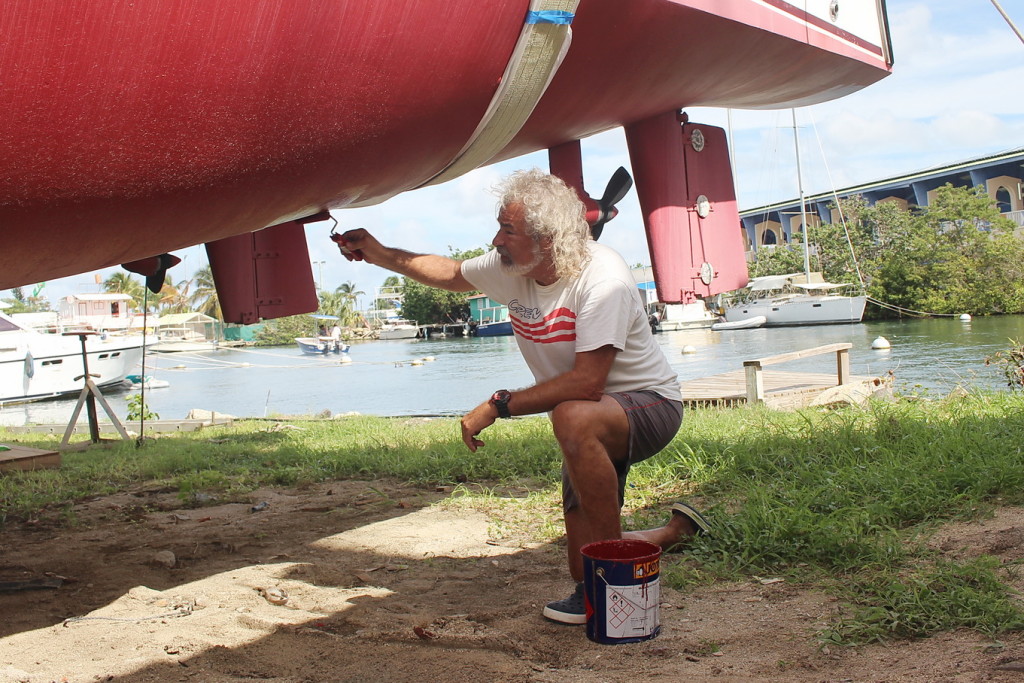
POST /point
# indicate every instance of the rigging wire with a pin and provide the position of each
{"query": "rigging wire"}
(1009, 21)
(839, 206)
(849, 242)
(142, 384)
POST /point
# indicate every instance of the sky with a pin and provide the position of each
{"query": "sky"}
(954, 95)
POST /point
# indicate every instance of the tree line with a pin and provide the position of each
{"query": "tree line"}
(957, 255)
(196, 293)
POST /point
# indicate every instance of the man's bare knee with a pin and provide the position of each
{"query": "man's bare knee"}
(572, 421)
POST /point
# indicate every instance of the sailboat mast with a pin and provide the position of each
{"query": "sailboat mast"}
(803, 203)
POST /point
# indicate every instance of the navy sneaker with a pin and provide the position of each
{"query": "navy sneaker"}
(702, 526)
(571, 610)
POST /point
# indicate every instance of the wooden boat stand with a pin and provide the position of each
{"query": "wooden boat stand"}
(90, 393)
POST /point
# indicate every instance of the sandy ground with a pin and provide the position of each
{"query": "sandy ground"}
(367, 581)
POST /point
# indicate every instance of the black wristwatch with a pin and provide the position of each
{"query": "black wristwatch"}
(500, 401)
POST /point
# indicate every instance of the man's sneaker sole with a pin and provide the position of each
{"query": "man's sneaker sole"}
(565, 618)
(571, 610)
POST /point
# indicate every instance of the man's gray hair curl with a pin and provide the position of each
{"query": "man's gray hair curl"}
(553, 210)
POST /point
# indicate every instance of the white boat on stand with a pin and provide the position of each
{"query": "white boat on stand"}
(35, 366)
(691, 316)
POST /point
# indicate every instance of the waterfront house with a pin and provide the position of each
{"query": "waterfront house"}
(105, 311)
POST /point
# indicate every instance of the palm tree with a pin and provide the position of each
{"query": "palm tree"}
(350, 294)
(332, 303)
(204, 297)
(173, 299)
(349, 290)
(123, 283)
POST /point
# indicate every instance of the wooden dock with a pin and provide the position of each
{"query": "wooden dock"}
(786, 390)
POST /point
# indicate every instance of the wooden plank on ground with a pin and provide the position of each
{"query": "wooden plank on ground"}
(20, 458)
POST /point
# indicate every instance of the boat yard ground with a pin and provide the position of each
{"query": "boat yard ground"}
(367, 549)
(375, 581)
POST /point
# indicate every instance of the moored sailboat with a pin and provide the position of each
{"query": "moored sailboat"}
(798, 298)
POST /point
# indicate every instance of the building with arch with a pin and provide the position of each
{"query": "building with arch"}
(1002, 176)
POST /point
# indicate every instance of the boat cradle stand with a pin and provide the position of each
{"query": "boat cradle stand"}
(88, 397)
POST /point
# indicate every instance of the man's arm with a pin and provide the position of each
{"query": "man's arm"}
(585, 382)
(429, 269)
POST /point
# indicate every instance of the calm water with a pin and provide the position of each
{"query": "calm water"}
(936, 354)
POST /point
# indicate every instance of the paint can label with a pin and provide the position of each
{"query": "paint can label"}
(632, 611)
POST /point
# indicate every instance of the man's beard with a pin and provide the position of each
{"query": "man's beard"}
(511, 268)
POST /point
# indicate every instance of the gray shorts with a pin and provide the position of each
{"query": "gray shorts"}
(653, 423)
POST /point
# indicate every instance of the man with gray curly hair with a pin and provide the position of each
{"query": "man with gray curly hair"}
(578, 319)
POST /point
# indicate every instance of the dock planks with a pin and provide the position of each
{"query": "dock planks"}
(781, 389)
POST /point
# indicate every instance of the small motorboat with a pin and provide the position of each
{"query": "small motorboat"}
(745, 324)
(321, 345)
(136, 382)
(324, 342)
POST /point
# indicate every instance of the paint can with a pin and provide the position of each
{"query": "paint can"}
(622, 590)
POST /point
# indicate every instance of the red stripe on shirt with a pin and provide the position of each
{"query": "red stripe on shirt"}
(558, 326)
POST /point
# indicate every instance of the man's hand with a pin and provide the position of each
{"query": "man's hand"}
(428, 269)
(359, 245)
(475, 421)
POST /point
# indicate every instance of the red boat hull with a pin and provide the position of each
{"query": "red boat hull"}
(132, 129)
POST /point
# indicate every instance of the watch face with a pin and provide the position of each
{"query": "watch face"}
(500, 400)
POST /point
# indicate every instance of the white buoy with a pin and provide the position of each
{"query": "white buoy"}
(880, 343)
(345, 359)
(416, 362)
(965, 317)
(429, 359)
(689, 349)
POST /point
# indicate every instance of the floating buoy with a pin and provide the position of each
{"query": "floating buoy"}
(429, 359)
(416, 362)
(344, 359)
(689, 349)
(880, 343)
(965, 317)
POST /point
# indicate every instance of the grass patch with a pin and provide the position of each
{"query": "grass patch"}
(937, 597)
(839, 500)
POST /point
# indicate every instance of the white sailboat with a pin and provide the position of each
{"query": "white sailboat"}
(796, 298)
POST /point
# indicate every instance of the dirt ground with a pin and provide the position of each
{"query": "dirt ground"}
(365, 581)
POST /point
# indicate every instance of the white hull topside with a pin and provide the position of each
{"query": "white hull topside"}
(801, 309)
(36, 366)
(399, 330)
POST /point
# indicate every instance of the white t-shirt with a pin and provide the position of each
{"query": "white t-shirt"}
(600, 307)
